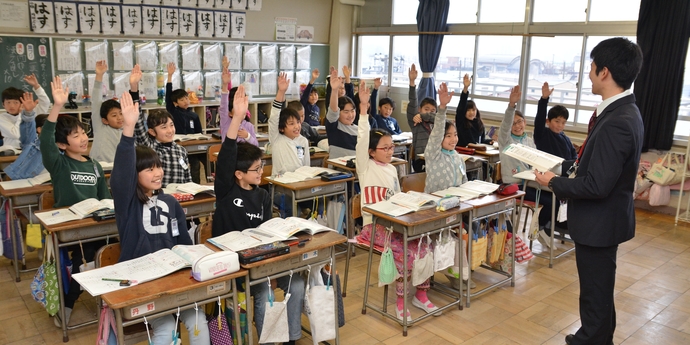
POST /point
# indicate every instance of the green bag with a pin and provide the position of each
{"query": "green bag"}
(387, 270)
(44, 286)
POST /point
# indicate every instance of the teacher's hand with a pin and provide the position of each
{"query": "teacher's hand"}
(543, 178)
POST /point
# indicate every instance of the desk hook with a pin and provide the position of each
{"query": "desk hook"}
(271, 296)
(220, 311)
(196, 319)
(177, 322)
(148, 333)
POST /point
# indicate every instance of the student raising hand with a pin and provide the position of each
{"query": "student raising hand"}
(466, 82)
(28, 102)
(59, 93)
(130, 114)
(444, 96)
(171, 71)
(32, 80)
(283, 83)
(412, 74)
(239, 108)
(364, 95)
(134, 78)
(225, 79)
(545, 92)
(514, 96)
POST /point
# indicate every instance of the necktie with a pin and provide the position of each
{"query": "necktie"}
(590, 126)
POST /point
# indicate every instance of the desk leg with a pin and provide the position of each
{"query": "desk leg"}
(61, 287)
(371, 255)
(405, 283)
(236, 311)
(462, 263)
(13, 237)
(120, 328)
(295, 212)
(553, 227)
(335, 296)
(250, 312)
(272, 190)
(469, 259)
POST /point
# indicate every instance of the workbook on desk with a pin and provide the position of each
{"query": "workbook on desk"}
(302, 174)
(539, 160)
(205, 263)
(189, 188)
(276, 229)
(83, 209)
(187, 137)
(403, 203)
(469, 190)
(26, 183)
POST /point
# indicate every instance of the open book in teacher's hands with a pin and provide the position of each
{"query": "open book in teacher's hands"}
(205, 263)
(276, 229)
(83, 209)
(539, 160)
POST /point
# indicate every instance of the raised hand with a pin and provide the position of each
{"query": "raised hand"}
(412, 74)
(135, 78)
(514, 95)
(443, 95)
(364, 95)
(335, 81)
(225, 79)
(347, 72)
(240, 104)
(101, 67)
(314, 75)
(283, 82)
(466, 82)
(171, 70)
(377, 83)
(28, 102)
(59, 94)
(226, 62)
(32, 80)
(130, 111)
(545, 92)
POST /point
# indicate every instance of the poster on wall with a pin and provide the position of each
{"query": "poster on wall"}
(89, 19)
(131, 20)
(254, 5)
(205, 23)
(285, 28)
(41, 13)
(305, 33)
(110, 19)
(66, 17)
(222, 23)
(170, 22)
(187, 22)
(152, 20)
(239, 23)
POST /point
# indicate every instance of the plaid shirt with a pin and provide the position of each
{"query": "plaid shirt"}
(171, 155)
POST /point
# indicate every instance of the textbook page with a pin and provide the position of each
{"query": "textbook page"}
(56, 216)
(192, 253)
(87, 207)
(390, 208)
(537, 159)
(195, 188)
(469, 190)
(137, 271)
(235, 241)
(416, 201)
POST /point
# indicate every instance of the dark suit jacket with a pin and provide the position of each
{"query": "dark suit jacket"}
(600, 201)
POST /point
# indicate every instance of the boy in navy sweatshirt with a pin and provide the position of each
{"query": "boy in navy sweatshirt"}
(548, 132)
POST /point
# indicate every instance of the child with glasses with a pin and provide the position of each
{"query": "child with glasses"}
(379, 181)
(241, 204)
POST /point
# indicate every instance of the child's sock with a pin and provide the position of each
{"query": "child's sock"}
(400, 303)
(421, 295)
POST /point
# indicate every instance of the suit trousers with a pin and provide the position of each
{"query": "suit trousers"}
(596, 268)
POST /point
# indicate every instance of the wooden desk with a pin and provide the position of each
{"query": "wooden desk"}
(319, 251)
(89, 230)
(309, 189)
(195, 147)
(412, 226)
(163, 296)
(485, 207)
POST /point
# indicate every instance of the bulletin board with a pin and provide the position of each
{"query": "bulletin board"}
(23, 56)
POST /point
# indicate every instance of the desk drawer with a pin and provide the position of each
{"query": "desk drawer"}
(497, 207)
(316, 191)
(177, 300)
(291, 263)
(23, 200)
(438, 224)
(87, 233)
(199, 209)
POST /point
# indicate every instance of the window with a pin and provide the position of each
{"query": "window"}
(456, 60)
(373, 57)
(502, 11)
(498, 69)
(405, 11)
(614, 10)
(405, 49)
(555, 60)
(462, 11)
(559, 11)
(683, 123)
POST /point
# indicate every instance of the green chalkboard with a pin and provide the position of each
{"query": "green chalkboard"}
(20, 56)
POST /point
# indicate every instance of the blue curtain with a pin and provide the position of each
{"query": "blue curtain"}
(432, 16)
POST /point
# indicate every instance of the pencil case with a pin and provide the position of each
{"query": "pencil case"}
(215, 265)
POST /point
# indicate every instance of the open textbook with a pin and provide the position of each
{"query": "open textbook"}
(26, 183)
(189, 188)
(205, 263)
(539, 160)
(197, 136)
(276, 229)
(469, 190)
(83, 209)
(403, 203)
(303, 173)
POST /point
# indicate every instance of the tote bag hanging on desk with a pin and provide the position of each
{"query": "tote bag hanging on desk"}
(478, 248)
(319, 307)
(44, 287)
(423, 267)
(275, 329)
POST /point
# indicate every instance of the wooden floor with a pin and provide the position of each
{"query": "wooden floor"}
(652, 301)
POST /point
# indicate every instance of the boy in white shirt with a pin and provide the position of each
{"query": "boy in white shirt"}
(11, 101)
(289, 149)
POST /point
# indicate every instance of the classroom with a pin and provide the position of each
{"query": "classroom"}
(501, 62)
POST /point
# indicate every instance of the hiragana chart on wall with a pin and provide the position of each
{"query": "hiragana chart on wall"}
(205, 23)
(239, 24)
(66, 17)
(42, 19)
(131, 20)
(110, 19)
(152, 20)
(222, 24)
(187, 23)
(170, 21)
(89, 18)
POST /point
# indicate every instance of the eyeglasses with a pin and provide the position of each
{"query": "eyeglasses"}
(518, 122)
(259, 168)
(387, 148)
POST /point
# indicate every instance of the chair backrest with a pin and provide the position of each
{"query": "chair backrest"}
(108, 255)
(415, 182)
(356, 206)
(268, 170)
(46, 200)
(204, 232)
(212, 152)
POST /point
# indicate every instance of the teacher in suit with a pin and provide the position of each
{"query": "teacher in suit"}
(599, 191)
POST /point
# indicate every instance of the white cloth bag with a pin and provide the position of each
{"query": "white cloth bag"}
(319, 306)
